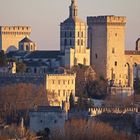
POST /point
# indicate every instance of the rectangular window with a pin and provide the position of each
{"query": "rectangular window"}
(59, 82)
(113, 50)
(72, 82)
(64, 92)
(59, 92)
(78, 34)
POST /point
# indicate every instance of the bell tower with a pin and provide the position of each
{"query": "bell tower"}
(73, 39)
(73, 13)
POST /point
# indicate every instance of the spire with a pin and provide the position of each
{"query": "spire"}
(73, 9)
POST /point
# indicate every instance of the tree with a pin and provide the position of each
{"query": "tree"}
(72, 102)
(2, 59)
(53, 98)
(96, 88)
(21, 97)
(20, 67)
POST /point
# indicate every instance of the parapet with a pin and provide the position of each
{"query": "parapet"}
(106, 20)
(65, 74)
(15, 29)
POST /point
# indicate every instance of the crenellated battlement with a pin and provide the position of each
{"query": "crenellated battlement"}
(117, 110)
(119, 20)
(61, 75)
(15, 29)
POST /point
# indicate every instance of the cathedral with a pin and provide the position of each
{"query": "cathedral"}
(73, 39)
(100, 43)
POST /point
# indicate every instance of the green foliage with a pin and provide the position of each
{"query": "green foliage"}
(71, 100)
(44, 135)
(82, 103)
(2, 59)
(96, 88)
(21, 67)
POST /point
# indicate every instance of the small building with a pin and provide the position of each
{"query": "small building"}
(27, 45)
(59, 88)
(52, 118)
(11, 35)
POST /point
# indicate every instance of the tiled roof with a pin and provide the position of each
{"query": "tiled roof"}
(43, 54)
(34, 63)
(47, 109)
(26, 39)
(16, 53)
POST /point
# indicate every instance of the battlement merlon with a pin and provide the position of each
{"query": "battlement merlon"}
(61, 75)
(15, 29)
(107, 20)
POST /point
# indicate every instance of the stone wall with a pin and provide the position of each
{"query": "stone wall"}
(118, 110)
(8, 79)
(11, 35)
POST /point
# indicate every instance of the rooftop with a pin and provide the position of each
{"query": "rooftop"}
(43, 54)
(26, 39)
(47, 109)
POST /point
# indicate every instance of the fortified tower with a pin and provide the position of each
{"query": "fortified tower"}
(73, 39)
(106, 39)
(11, 35)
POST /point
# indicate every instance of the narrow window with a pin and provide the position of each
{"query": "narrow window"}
(82, 42)
(116, 63)
(113, 50)
(70, 42)
(58, 92)
(65, 42)
(96, 56)
(78, 34)
(63, 92)
(78, 42)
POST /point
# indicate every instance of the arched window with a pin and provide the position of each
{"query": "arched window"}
(27, 48)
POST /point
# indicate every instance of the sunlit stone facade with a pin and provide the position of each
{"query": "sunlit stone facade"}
(11, 35)
(73, 39)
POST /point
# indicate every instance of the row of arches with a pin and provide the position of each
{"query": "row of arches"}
(132, 73)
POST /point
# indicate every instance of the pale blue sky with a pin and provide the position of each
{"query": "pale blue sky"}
(44, 16)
